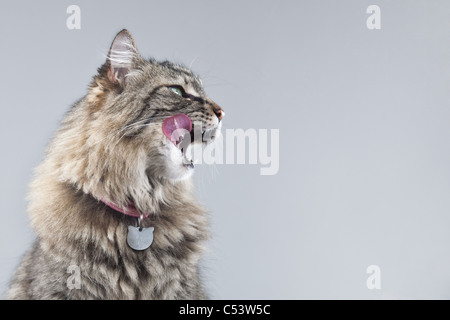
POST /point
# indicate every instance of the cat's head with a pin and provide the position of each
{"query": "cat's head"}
(128, 137)
(152, 106)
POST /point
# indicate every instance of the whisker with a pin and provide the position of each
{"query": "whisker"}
(192, 62)
(130, 128)
(130, 125)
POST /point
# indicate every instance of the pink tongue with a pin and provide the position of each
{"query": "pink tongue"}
(176, 127)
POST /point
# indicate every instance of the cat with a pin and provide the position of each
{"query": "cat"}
(117, 162)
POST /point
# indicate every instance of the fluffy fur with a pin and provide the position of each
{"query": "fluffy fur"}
(110, 146)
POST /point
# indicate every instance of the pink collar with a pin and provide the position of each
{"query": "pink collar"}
(130, 210)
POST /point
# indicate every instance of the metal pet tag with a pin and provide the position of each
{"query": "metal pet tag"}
(140, 238)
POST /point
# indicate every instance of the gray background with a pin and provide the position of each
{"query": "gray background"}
(364, 137)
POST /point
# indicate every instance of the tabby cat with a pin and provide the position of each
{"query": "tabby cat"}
(119, 161)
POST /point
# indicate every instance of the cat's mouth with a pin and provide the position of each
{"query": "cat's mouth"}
(180, 130)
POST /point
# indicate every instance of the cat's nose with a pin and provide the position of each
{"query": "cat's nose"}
(218, 111)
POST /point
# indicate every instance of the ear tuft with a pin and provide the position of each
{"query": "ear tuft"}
(122, 57)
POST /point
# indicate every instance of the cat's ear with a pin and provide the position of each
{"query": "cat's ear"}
(122, 57)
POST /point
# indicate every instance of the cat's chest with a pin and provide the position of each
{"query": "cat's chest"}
(146, 274)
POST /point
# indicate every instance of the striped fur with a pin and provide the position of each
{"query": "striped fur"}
(110, 146)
